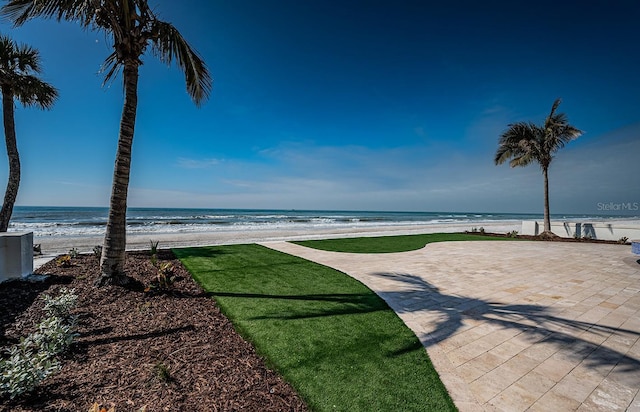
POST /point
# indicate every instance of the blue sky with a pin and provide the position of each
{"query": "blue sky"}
(346, 105)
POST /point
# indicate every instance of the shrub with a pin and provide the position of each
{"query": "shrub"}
(162, 372)
(25, 368)
(34, 358)
(73, 253)
(154, 247)
(64, 261)
(164, 278)
(513, 234)
(97, 251)
(61, 305)
(623, 240)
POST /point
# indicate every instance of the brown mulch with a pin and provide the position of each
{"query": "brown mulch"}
(170, 351)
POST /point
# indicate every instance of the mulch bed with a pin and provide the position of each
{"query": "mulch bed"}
(170, 351)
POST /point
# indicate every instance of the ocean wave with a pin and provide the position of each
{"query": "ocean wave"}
(92, 221)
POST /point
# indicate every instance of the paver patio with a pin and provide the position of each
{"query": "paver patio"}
(514, 326)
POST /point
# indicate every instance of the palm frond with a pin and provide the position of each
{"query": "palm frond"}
(32, 91)
(519, 144)
(554, 107)
(111, 66)
(169, 45)
(19, 11)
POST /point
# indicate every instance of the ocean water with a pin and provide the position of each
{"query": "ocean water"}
(89, 221)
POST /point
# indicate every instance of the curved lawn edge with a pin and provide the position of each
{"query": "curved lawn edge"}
(336, 341)
(390, 244)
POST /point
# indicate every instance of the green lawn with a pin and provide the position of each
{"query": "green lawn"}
(338, 343)
(390, 244)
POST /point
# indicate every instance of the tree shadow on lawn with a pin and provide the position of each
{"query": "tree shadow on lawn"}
(537, 323)
(343, 304)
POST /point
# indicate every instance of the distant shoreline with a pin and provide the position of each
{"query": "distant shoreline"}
(55, 245)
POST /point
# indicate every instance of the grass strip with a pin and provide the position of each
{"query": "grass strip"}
(332, 338)
(390, 244)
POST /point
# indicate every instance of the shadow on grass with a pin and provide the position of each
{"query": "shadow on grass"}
(348, 304)
(537, 323)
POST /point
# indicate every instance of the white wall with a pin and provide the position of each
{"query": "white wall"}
(596, 230)
(16, 255)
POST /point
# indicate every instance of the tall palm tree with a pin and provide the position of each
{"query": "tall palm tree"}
(525, 142)
(133, 27)
(19, 65)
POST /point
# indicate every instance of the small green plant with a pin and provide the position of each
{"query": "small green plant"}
(96, 407)
(97, 251)
(61, 305)
(164, 278)
(35, 357)
(64, 261)
(162, 372)
(623, 240)
(154, 247)
(513, 234)
(25, 368)
(73, 253)
(481, 230)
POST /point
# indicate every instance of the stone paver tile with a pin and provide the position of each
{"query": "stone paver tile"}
(635, 404)
(468, 352)
(517, 367)
(486, 362)
(594, 314)
(514, 399)
(608, 396)
(554, 401)
(507, 350)
(554, 368)
(626, 372)
(603, 360)
(469, 372)
(578, 384)
(535, 383)
(540, 351)
(485, 388)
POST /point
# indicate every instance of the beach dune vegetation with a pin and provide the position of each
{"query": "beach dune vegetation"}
(524, 143)
(133, 28)
(19, 67)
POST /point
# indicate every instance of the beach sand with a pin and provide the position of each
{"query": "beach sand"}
(56, 245)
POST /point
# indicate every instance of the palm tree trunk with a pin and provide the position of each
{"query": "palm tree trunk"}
(547, 219)
(115, 240)
(14, 159)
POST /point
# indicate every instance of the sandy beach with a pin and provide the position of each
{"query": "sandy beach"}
(55, 245)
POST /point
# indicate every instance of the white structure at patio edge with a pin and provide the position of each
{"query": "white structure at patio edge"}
(594, 230)
(16, 255)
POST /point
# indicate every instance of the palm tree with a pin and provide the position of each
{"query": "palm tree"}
(133, 26)
(525, 142)
(19, 65)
